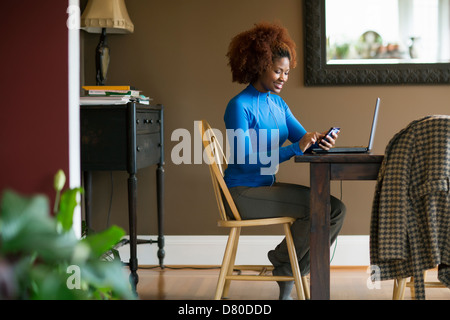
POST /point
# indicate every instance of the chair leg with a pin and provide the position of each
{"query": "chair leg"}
(294, 262)
(395, 289)
(399, 288)
(413, 291)
(306, 288)
(232, 263)
(226, 263)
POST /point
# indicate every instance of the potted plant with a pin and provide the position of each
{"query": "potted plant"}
(42, 258)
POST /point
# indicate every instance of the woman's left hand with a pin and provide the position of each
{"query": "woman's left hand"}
(328, 142)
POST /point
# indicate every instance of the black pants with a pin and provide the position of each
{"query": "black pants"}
(287, 200)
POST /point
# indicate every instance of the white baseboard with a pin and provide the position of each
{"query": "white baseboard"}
(208, 250)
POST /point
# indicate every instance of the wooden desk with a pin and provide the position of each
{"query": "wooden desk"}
(124, 138)
(323, 169)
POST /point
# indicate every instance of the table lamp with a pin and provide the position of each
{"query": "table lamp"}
(105, 16)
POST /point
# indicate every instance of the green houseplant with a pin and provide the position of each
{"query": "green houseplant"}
(42, 258)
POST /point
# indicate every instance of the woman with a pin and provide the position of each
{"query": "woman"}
(258, 123)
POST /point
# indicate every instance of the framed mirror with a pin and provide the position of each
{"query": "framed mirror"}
(371, 44)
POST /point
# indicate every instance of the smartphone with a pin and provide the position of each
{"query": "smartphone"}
(332, 129)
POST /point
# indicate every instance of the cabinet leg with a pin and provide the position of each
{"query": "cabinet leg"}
(160, 200)
(87, 175)
(132, 197)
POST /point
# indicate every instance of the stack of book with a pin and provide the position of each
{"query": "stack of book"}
(112, 95)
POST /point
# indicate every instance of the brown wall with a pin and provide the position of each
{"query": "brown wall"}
(177, 56)
(34, 109)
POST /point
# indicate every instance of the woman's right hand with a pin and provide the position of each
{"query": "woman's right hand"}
(309, 139)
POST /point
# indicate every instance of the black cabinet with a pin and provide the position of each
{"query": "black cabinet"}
(125, 138)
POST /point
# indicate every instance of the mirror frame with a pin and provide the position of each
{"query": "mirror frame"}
(319, 73)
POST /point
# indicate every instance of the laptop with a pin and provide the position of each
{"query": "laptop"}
(355, 149)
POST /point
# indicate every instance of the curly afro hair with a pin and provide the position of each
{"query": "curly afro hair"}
(252, 52)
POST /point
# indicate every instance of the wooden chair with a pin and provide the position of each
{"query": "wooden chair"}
(401, 284)
(217, 163)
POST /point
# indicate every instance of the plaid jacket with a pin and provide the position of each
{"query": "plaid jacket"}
(410, 223)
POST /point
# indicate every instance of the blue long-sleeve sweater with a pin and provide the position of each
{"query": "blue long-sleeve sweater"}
(258, 124)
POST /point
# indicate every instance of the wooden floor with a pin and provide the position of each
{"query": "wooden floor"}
(189, 283)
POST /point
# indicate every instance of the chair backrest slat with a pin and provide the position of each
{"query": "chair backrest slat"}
(217, 164)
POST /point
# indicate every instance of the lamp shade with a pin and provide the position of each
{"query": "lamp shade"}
(109, 14)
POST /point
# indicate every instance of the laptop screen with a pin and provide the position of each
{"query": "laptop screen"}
(374, 124)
